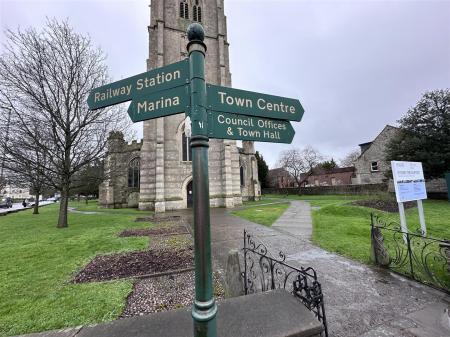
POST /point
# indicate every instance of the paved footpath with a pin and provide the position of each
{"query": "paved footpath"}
(360, 301)
(296, 220)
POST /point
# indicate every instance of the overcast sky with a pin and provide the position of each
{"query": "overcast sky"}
(355, 65)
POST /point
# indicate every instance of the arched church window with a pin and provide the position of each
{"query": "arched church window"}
(186, 147)
(184, 9)
(134, 173)
(241, 173)
(197, 12)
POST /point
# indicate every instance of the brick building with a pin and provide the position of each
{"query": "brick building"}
(331, 177)
(280, 178)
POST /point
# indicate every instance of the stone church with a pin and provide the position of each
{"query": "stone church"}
(156, 174)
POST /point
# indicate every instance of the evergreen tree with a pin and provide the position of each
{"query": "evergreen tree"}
(263, 170)
(425, 134)
(328, 164)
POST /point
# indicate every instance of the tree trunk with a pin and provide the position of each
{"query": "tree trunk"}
(62, 219)
(36, 204)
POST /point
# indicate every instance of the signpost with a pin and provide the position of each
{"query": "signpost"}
(409, 184)
(215, 112)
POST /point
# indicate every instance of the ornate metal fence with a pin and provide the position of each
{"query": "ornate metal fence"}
(263, 272)
(424, 259)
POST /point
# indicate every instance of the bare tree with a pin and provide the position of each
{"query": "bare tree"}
(45, 78)
(297, 161)
(23, 158)
(350, 158)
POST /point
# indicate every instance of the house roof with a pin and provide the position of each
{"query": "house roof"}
(367, 145)
(279, 171)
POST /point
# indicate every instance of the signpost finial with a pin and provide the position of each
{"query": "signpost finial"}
(195, 32)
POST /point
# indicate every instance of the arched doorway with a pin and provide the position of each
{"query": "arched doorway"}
(189, 194)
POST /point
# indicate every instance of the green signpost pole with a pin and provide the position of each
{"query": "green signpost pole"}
(204, 309)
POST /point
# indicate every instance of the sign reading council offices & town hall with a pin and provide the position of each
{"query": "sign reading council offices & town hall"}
(215, 112)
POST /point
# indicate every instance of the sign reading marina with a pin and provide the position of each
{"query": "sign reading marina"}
(244, 102)
(168, 77)
(163, 103)
(409, 181)
(224, 125)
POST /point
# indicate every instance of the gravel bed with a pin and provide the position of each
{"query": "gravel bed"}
(109, 267)
(165, 293)
(160, 218)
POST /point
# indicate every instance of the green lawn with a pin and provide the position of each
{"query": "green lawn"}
(262, 214)
(38, 261)
(345, 229)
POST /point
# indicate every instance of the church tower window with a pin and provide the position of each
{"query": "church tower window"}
(241, 173)
(186, 147)
(134, 173)
(184, 9)
(197, 12)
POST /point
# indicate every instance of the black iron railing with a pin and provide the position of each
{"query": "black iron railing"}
(263, 272)
(422, 258)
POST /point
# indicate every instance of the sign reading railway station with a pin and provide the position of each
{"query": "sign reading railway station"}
(150, 82)
(224, 125)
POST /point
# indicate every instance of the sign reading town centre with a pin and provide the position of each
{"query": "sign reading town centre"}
(148, 83)
(253, 103)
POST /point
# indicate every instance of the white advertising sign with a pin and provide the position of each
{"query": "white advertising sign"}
(409, 181)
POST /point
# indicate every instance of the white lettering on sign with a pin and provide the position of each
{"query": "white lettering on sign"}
(161, 78)
(261, 103)
(161, 103)
(111, 93)
(237, 101)
(279, 107)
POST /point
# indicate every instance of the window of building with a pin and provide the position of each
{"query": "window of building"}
(333, 181)
(184, 10)
(186, 147)
(241, 173)
(134, 173)
(197, 12)
(374, 166)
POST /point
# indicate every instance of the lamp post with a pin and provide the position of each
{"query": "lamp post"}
(204, 309)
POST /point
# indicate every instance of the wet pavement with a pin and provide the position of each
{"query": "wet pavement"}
(359, 300)
(17, 207)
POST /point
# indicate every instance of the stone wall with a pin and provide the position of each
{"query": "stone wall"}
(114, 191)
(339, 189)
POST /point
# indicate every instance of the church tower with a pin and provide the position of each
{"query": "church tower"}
(165, 158)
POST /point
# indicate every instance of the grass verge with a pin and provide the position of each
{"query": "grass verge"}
(262, 214)
(38, 261)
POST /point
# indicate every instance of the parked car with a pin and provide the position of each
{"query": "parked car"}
(6, 203)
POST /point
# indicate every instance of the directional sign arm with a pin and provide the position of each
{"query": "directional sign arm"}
(224, 125)
(250, 103)
(150, 82)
